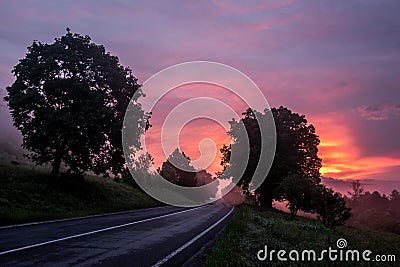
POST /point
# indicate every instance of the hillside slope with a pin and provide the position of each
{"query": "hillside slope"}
(29, 194)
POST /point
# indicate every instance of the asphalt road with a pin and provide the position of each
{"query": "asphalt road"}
(166, 236)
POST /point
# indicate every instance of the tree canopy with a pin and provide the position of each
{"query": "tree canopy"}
(330, 206)
(296, 150)
(69, 100)
(183, 174)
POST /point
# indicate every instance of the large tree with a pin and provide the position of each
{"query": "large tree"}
(68, 100)
(296, 150)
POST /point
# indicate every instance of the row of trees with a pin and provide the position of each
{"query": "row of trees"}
(302, 194)
(294, 176)
(373, 210)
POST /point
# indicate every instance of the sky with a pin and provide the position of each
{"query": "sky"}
(337, 62)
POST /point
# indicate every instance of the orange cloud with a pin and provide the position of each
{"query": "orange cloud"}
(341, 158)
(190, 137)
(194, 131)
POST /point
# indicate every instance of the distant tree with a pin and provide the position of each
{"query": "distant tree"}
(395, 195)
(141, 166)
(376, 211)
(377, 201)
(234, 197)
(296, 150)
(330, 206)
(297, 190)
(69, 100)
(204, 178)
(394, 206)
(357, 189)
(183, 174)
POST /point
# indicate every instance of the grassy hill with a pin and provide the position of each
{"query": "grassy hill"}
(253, 228)
(29, 194)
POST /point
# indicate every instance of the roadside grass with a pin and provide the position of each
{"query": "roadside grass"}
(29, 194)
(252, 228)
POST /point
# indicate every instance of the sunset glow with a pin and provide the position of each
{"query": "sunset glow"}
(342, 159)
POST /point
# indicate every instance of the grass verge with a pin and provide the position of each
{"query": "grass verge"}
(252, 228)
(28, 194)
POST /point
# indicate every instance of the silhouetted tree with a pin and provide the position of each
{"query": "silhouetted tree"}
(204, 178)
(225, 158)
(238, 134)
(298, 191)
(357, 189)
(234, 197)
(141, 167)
(330, 206)
(394, 207)
(296, 150)
(69, 100)
(395, 195)
(183, 173)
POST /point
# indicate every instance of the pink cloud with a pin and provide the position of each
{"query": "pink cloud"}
(379, 113)
(242, 8)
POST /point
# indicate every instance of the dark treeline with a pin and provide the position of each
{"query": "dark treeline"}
(373, 210)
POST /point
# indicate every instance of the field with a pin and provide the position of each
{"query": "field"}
(253, 228)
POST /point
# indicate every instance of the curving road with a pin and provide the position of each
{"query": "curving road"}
(167, 236)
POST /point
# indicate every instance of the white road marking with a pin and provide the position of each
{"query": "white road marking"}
(75, 218)
(172, 254)
(96, 231)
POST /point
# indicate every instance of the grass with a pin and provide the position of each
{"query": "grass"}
(253, 227)
(29, 194)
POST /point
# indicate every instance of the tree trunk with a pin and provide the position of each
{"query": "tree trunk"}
(55, 172)
(265, 196)
(293, 213)
(266, 200)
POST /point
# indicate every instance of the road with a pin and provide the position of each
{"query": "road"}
(166, 236)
